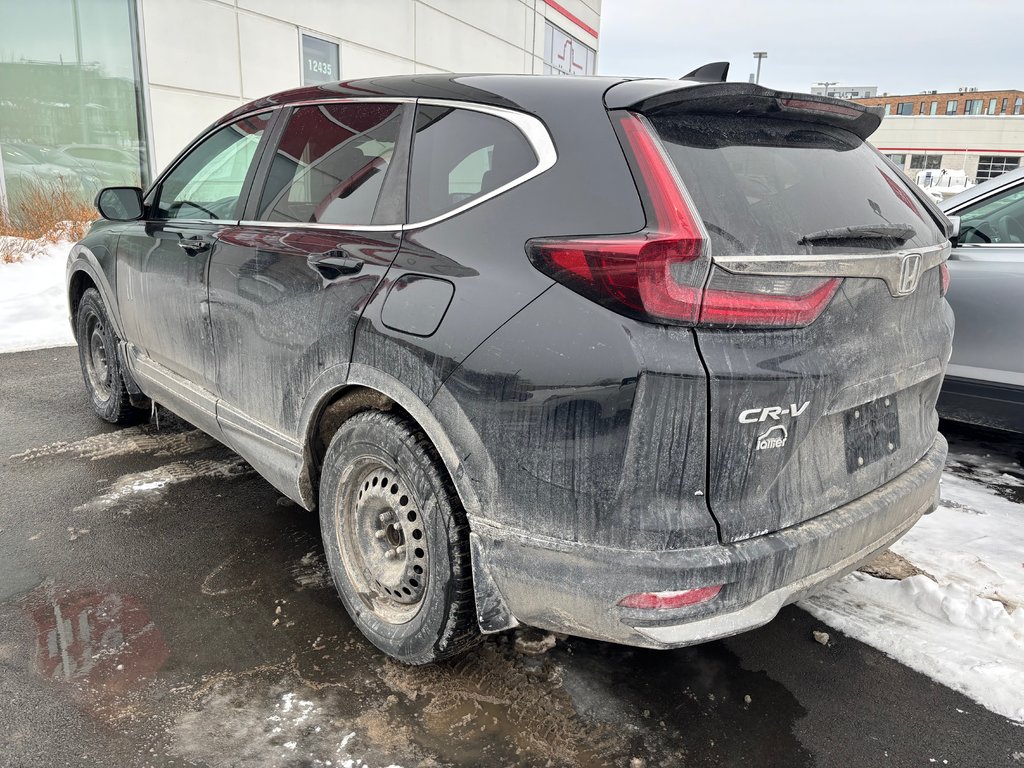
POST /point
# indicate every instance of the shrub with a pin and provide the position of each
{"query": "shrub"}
(44, 212)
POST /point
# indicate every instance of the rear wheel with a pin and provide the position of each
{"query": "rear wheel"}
(396, 540)
(101, 366)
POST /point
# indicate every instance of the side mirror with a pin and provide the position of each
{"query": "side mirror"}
(953, 229)
(120, 203)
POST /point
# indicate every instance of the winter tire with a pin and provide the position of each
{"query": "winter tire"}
(396, 540)
(101, 366)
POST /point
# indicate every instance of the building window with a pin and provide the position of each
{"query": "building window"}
(900, 160)
(924, 106)
(951, 106)
(935, 108)
(319, 61)
(992, 106)
(973, 106)
(59, 99)
(990, 166)
(1002, 109)
(925, 162)
(905, 108)
(1017, 105)
(565, 55)
(888, 109)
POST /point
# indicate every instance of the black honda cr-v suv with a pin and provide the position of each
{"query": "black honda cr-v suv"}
(638, 360)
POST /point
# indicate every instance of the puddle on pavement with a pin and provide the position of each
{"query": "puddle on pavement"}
(102, 644)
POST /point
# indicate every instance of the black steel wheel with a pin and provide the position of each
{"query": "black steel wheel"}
(396, 540)
(98, 356)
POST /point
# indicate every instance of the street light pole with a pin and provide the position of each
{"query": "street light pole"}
(759, 55)
(826, 84)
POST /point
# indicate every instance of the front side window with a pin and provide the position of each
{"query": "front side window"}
(997, 220)
(460, 155)
(330, 164)
(208, 182)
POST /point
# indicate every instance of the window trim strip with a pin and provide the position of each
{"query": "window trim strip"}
(530, 126)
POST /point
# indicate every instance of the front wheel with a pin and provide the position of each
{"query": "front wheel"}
(98, 356)
(396, 540)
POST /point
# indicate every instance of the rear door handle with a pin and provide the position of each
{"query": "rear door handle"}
(335, 264)
(194, 245)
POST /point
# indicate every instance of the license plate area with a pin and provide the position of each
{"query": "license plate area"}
(872, 431)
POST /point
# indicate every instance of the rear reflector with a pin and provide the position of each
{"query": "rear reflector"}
(943, 279)
(661, 273)
(659, 601)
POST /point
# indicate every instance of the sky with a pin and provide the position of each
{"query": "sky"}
(901, 46)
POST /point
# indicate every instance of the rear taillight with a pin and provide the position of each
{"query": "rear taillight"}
(662, 601)
(662, 273)
(943, 279)
(656, 274)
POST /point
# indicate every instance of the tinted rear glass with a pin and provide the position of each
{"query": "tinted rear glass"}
(459, 155)
(761, 186)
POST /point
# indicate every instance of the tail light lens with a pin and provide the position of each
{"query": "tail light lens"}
(661, 601)
(662, 273)
(943, 279)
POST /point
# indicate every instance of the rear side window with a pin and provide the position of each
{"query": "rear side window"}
(330, 164)
(460, 155)
(762, 186)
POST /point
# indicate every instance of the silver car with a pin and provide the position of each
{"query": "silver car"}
(985, 381)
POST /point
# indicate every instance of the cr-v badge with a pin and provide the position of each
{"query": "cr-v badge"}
(775, 412)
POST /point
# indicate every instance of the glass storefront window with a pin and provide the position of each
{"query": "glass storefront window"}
(70, 97)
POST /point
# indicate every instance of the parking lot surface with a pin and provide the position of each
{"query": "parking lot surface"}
(161, 604)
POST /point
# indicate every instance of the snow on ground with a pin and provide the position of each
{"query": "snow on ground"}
(966, 628)
(33, 303)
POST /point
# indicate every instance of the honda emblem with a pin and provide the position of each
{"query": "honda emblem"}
(910, 273)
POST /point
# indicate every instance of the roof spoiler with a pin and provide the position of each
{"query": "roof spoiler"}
(741, 99)
(715, 72)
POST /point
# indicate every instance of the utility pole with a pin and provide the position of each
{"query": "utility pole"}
(826, 84)
(759, 55)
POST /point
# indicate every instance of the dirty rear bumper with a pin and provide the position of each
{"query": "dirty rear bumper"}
(572, 588)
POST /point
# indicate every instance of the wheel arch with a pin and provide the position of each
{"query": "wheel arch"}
(84, 273)
(341, 392)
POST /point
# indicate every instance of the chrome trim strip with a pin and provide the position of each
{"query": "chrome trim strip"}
(314, 225)
(884, 266)
(531, 127)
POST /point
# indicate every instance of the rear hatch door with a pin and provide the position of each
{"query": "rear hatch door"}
(795, 202)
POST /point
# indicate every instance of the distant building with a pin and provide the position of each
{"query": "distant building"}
(845, 91)
(978, 132)
(966, 102)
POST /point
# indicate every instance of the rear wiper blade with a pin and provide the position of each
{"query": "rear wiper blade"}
(861, 232)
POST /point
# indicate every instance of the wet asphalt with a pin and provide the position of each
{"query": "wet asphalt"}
(161, 604)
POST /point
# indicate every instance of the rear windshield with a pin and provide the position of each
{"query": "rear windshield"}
(780, 187)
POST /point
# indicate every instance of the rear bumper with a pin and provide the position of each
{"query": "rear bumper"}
(572, 588)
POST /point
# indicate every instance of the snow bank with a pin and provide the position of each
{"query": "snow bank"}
(33, 303)
(956, 629)
(968, 643)
(974, 539)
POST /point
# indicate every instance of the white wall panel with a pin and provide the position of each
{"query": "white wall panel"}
(451, 45)
(179, 116)
(192, 44)
(357, 61)
(270, 55)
